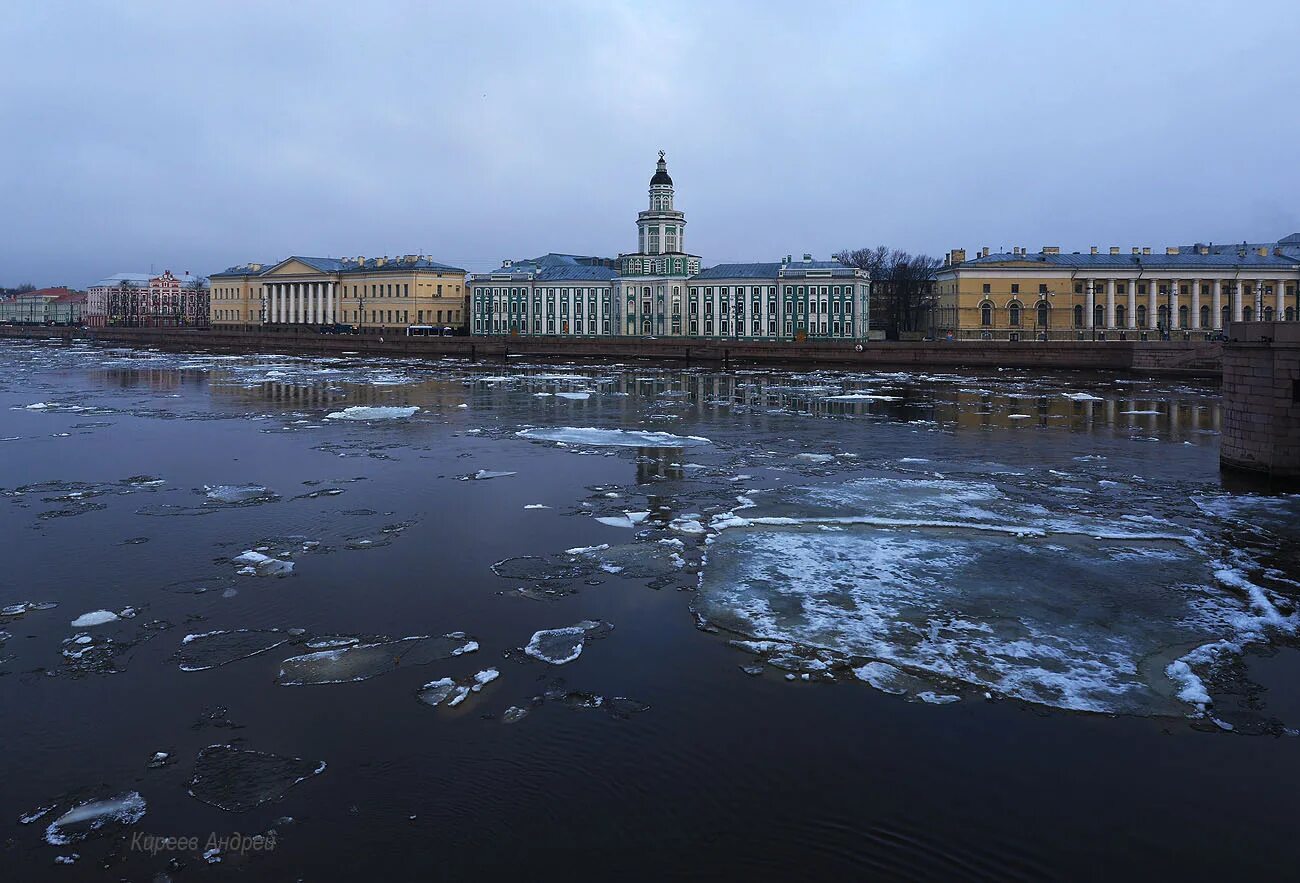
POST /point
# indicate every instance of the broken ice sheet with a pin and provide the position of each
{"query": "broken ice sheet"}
(363, 412)
(238, 779)
(455, 692)
(359, 662)
(211, 649)
(485, 474)
(1092, 627)
(93, 818)
(627, 438)
(563, 645)
(239, 494)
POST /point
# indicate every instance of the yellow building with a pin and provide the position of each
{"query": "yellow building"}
(1114, 295)
(377, 293)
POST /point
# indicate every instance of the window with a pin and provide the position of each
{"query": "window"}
(1078, 317)
(986, 314)
(1078, 288)
(1042, 314)
(1015, 287)
(988, 289)
(1013, 315)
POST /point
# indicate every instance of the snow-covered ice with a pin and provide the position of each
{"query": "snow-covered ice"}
(627, 438)
(366, 412)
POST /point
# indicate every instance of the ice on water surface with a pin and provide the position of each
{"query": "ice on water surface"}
(358, 662)
(563, 645)
(364, 412)
(238, 779)
(626, 438)
(94, 817)
(212, 649)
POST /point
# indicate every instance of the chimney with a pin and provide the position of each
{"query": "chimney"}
(1114, 249)
(1263, 251)
(361, 259)
(1146, 250)
(807, 258)
(507, 263)
(984, 252)
(1202, 249)
(379, 262)
(1173, 249)
(959, 255)
(1137, 250)
(1051, 249)
(1092, 250)
(788, 258)
(255, 267)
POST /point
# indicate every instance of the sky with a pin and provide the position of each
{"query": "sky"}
(196, 135)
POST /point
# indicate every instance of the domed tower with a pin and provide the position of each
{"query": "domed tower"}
(661, 229)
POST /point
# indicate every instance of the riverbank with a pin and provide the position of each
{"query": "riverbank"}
(1140, 357)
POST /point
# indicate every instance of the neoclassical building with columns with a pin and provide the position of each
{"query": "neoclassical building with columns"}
(377, 293)
(660, 290)
(1188, 292)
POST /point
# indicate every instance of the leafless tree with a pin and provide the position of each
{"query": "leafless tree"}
(200, 307)
(902, 286)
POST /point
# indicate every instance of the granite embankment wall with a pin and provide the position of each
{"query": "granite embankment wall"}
(1147, 357)
(1261, 399)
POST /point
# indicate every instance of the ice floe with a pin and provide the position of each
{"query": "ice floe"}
(628, 438)
(200, 652)
(564, 645)
(367, 412)
(239, 779)
(358, 662)
(93, 618)
(95, 817)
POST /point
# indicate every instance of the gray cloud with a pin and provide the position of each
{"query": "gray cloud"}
(196, 135)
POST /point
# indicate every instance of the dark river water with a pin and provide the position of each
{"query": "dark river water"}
(412, 620)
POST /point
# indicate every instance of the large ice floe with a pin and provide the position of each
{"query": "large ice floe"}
(201, 652)
(367, 412)
(563, 645)
(623, 438)
(93, 818)
(358, 662)
(948, 585)
(238, 779)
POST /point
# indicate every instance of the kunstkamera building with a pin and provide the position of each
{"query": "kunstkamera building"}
(660, 290)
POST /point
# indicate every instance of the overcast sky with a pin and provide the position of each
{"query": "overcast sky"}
(193, 135)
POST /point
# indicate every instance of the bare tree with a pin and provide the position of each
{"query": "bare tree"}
(902, 286)
(200, 307)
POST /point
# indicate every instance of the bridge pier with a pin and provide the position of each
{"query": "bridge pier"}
(1261, 399)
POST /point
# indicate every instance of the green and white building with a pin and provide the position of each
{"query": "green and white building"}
(660, 290)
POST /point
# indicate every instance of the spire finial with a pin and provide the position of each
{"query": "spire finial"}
(661, 156)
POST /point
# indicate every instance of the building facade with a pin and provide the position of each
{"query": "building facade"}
(1189, 292)
(660, 290)
(145, 300)
(385, 294)
(44, 306)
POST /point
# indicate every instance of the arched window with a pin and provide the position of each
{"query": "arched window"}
(1099, 316)
(1226, 314)
(1290, 314)
(1205, 317)
(1042, 314)
(1162, 316)
(1013, 314)
(1268, 314)
(1182, 316)
(1078, 315)
(986, 314)
(1248, 314)
(1121, 313)
(1142, 315)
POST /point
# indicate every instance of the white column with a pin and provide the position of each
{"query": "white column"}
(315, 303)
(1110, 303)
(1196, 304)
(1216, 306)
(1131, 319)
(1259, 300)
(1279, 295)
(1089, 304)
(1153, 304)
(1173, 306)
(277, 296)
(295, 310)
(329, 303)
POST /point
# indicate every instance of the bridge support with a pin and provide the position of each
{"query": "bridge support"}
(1261, 399)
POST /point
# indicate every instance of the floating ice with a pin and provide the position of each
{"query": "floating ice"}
(359, 662)
(575, 396)
(22, 608)
(237, 779)
(815, 458)
(92, 816)
(212, 649)
(484, 474)
(365, 412)
(455, 692)
(1148, 413)
(259, 564)
(862, 397)
(627, 438)
(1082, 397)
(239, 494)
(536, 506)
(95, 617)
(563, 645)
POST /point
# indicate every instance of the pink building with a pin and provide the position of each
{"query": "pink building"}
(140, 299)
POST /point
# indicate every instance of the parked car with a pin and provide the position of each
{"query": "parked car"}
(338, 328)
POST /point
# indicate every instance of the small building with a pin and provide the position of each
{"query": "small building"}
(45, 306)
